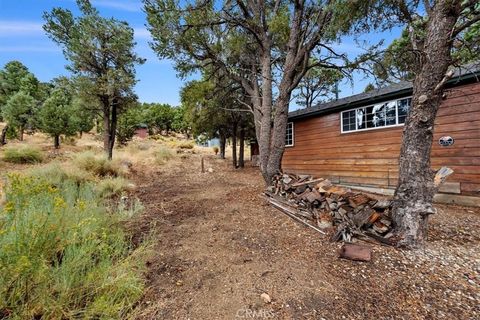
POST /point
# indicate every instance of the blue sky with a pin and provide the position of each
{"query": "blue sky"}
(22, 38)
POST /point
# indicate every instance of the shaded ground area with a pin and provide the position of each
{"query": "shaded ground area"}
(219, 247)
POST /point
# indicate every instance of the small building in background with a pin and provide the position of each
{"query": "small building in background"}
(141, 131)
(203, 142)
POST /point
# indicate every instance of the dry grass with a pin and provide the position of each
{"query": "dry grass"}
(100, 165)
(23, 154)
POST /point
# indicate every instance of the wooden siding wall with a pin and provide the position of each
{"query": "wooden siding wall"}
(370, 158)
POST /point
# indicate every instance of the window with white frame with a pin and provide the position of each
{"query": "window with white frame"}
(385, 114)
(289, 135)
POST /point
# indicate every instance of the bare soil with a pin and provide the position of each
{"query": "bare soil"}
(219, 246)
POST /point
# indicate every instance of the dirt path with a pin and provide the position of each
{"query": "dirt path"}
(220, 247)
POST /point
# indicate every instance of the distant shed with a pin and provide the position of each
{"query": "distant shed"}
(141, 131)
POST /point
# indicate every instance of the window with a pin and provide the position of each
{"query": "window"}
(289, 135)
(403, 106)
(380, 115)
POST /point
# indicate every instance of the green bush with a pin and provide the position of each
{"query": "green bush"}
(24, 154)
(163, 154)
(55, 174)
(63, 255)
(100, 165)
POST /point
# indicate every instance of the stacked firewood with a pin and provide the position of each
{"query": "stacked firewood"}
(332, 209)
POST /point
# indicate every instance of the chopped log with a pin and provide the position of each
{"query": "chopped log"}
(325, 220)
(286, 179)
(337, 190)
(363, 217)
(312, 196)
(382, 204)
(308, 182)
(355, 252)
(358, 200)
(324, 185)
(337, 236)
(374, 217)
(380, 228)
(317, 201)
(300, 189)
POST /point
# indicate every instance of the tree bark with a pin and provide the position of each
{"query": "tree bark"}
(3, 136)
(234, 145)
(266, 119)
(415, 190)
(56, 141)
(113, 131)
(106, 126)
(241, 154)
(223, 142)
(20, 136)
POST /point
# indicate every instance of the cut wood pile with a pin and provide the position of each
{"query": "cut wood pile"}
(331, 209)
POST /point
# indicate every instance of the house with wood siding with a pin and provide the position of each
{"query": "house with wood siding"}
(355, 141)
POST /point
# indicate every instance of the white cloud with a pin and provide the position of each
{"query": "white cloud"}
(19, 28)
(124, 5)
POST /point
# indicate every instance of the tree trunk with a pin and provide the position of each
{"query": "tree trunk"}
(56, 141)
(20, 136)
(3, 136)
(106, 128)
(241, 154)
(278, 136)
(415, 190)
(234, 145)
(264, 139)
(223, 142)
(113, 131)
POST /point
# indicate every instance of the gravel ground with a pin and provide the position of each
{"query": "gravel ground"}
(220, 247)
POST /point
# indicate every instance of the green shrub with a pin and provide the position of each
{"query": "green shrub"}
(62, 255)
(55, 174)
(100, 165)
(186, 145)
(163, 154)
(23, 154)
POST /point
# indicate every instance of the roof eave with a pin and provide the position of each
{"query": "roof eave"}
(467, 78)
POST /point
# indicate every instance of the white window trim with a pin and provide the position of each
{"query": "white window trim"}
(293, 135)
(376, 128)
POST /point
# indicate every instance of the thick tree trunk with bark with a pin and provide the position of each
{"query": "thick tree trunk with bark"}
(3, 136)
(415, 190)
(56, 141)
(241, 152)
(264, 139)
